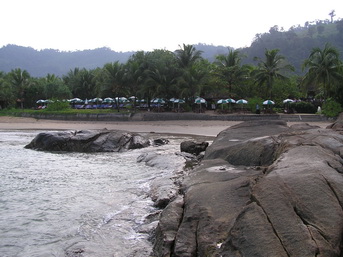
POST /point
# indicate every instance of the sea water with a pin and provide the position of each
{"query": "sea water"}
(74, 204)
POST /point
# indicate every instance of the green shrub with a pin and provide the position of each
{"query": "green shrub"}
(57, 105)
(331, 108)
(303, 107)
(252, 102)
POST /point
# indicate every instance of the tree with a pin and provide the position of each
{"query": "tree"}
(320, 29)
(187, 55)
(7, 94)
(192, 81)
(339, 27)
(112, 80)
(311, 30)
(332, 14)
(272, 68)
(324, 70)
(229, 69)
(20, 80)
(82, 83)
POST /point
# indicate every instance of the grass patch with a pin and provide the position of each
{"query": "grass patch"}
(69, 111)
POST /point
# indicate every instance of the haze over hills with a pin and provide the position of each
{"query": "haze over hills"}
(295, 44)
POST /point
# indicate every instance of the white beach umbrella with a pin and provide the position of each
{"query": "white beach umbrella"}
(179, 101)
(230, 100)
(268, 102)
(288, 101)
(200, 100)
(222, 101)
(241, 101)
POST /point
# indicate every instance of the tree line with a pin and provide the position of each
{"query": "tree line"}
(184, 74)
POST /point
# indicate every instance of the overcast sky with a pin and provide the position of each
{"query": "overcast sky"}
(125, 25)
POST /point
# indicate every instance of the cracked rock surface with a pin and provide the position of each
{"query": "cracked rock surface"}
(279, 194)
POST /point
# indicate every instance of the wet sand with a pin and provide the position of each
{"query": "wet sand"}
(186, 127)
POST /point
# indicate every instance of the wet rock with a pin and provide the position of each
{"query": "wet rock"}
(88, 141)
(193, 147)
(162, 191)
(160, 141)
(168, 227)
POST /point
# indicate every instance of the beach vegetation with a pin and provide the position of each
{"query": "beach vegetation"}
(303, 107)
(331, 108)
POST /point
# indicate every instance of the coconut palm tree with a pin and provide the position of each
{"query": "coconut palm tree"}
(324, 69)
(113, 80)
(270, 69)
(229, 69)
(20, 80)
(187, 55)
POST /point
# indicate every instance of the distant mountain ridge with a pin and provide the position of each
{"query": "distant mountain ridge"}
(40, 63)
(295, 45)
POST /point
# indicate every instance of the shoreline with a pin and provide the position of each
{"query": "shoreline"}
(210, 128)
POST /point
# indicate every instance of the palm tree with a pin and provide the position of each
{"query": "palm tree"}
(271, 69)
(112, 75)
(192, 81)
(229, 69)
(187, 55)
(20, 79)
(324, 69)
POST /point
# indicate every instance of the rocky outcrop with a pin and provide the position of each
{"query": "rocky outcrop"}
(88, 141)
(279, 194)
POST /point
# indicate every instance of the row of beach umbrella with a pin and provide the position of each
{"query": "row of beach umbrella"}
(198, 100)
(243, 101)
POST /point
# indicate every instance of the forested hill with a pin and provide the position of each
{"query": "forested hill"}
(295, 44)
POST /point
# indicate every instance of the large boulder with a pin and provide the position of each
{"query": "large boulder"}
(88, 141)
(291, 205)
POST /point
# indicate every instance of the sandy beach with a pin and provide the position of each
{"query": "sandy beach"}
(186, 127)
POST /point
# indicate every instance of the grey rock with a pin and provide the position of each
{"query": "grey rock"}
(162, 191)
(167, 227)
(193, 147)
(88, 141)
(279, 194)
